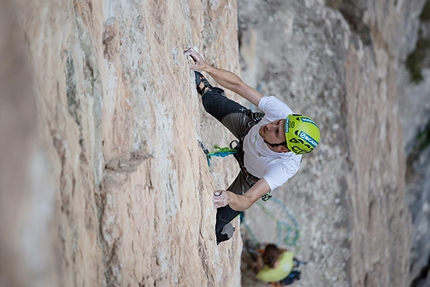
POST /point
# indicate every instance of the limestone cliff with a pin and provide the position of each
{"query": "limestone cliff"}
(110, 187)
(340, 63)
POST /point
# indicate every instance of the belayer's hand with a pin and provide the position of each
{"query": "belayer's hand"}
(199, 63)
(220, 199)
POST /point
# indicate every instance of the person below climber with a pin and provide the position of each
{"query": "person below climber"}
(270, 146)
(275, 265)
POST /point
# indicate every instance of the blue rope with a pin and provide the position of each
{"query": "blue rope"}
(292, 233)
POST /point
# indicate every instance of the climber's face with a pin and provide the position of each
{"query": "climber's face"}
(274, 135)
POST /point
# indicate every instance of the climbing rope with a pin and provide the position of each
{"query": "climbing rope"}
(288, 233)
(292, 232)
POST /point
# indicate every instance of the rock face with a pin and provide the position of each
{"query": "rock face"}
(109, 185)
(102, 180)
(339, 64)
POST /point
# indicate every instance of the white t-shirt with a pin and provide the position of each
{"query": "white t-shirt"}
(259, 160)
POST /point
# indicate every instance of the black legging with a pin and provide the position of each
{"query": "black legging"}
(238, 120)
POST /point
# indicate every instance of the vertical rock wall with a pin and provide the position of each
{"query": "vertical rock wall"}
(114, 118)
(381, 237)
(339, 66)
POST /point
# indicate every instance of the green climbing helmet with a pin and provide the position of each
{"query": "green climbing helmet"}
(301, 133)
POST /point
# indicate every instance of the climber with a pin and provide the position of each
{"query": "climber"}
(270, 143)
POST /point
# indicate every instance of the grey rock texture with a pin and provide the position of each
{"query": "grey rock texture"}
(342, 64)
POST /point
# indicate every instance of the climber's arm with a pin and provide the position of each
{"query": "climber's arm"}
(232, 82)
(225, 78)
(241, 202)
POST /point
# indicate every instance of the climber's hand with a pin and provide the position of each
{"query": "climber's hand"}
(221, 198)
(199, 63)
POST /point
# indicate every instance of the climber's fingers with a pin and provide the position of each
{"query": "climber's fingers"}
(220, 199)
(199, 63)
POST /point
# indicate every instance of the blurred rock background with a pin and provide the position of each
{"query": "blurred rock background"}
(360, 69)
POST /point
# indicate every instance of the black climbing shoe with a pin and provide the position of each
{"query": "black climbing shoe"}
(199, 79)
(226, 233)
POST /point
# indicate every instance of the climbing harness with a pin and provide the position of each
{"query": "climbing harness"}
(237, 145)
(237, 152)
